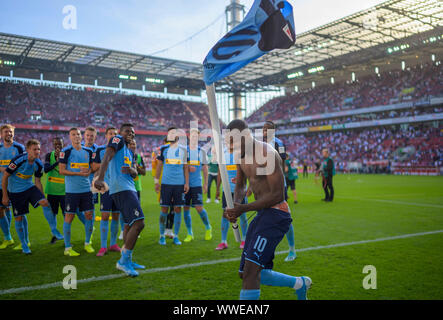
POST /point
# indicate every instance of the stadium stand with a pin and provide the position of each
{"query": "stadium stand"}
(386, 88)
(400, 98)
(25, 103)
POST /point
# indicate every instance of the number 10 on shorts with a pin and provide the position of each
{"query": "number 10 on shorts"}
(260, 244)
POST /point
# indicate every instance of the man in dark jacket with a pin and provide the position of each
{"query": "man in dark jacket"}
(328, 171)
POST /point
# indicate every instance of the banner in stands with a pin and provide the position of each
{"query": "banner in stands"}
(363, 124)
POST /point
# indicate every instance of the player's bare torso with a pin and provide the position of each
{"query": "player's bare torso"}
(257, 171)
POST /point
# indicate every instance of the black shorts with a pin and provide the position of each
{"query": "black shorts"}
(265, 232)
(21, 200)
(290, 183)
(78, 201)
(95, 198)
(55, 202)
(194, 197)
(172, 194)
(128, 205)
(107, 205)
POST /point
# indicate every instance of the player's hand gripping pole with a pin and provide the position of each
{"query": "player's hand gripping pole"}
(216, 134)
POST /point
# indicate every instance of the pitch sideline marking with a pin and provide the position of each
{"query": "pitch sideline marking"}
(382, 200)
(206, 263)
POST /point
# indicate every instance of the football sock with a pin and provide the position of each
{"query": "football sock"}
(188, 220)
(114, 232)
(50, 217)
(224, 229)
(204, 216)
(67, 234)
(104, 227)
(126, 256)
(250, 294)
(88, 230)
(290, 237)
(8, 214)
(21, 234)
(163, 217)
(177, 222)
(25, 228)
(272, 278)
(243, 226)
(4, 225)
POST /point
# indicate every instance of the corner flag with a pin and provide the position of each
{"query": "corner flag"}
(268, 25)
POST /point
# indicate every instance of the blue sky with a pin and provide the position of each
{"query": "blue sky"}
(147, 26)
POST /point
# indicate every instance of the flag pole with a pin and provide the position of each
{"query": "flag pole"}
(216, 134)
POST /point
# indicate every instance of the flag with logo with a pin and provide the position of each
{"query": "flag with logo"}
(268, 25)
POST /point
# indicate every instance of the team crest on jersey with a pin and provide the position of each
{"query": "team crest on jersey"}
(116, 140)
(12, 166)
(93, 155)
(62, 155)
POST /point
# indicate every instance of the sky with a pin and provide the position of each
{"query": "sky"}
(149, 26)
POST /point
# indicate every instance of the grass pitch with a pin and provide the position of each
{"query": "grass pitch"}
(332, 238)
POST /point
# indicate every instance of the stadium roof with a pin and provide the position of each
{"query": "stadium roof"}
(369, 31)
(27, 47)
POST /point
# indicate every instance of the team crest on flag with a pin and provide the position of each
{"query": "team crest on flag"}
(116, 140)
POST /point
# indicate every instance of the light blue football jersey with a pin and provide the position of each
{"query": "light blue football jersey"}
(7, 154)
(231, 167)
(74, 160)
(21, 172)
(196, 158)
(173, 161)
(123, 157)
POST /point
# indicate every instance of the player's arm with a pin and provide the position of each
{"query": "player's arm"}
(158, 171)
(47, 166)
(38, 184)
(38, 174)
(186, 170)
(95, 168)
(63, 171)
(109, 154)
(142, 168)
(205, 178)
(217, 190)
(5, 197)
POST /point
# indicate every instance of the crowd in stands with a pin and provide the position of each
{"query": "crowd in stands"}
(416, 111)
(371, 144)
(28, 104)
(25, 103)
(379, 89)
